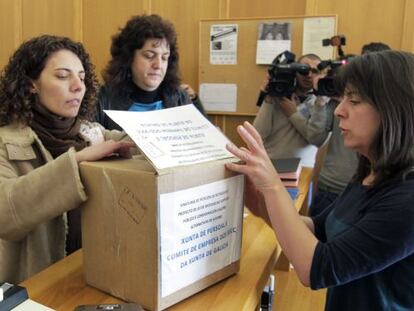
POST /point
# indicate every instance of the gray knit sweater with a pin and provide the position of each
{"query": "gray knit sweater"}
(285, 137)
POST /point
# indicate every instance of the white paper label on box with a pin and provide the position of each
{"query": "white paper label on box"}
(200, 232)
(174, 136)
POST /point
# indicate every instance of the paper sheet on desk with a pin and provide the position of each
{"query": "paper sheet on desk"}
(174, 136)
(30, 305)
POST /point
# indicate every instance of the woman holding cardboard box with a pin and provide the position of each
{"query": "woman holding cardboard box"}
(47, 94)
(362, 247)
(142, 74)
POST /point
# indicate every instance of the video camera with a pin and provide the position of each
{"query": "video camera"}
(283, 70)
(282, 74)
(338, 41)
(326, 86)
(334, 41)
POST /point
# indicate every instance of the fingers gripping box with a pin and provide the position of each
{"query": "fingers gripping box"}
(156, 235)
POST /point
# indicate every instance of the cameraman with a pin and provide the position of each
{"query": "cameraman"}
(282, 122)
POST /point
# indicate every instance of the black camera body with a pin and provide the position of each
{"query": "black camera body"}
(282, 75)
(326, 85)
(334, 41)
(337, 41)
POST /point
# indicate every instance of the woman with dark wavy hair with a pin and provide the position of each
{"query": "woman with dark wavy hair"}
(362, 246)
(143, 72)
(47, 95)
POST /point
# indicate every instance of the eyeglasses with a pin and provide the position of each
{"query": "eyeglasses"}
(315, 71)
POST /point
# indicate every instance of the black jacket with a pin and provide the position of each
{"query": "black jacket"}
(107, 101)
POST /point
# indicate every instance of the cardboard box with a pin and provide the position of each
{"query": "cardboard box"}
(157, 237)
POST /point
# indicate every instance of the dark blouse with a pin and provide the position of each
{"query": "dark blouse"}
(366, 251)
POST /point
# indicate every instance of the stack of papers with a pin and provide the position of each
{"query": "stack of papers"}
(289, 170)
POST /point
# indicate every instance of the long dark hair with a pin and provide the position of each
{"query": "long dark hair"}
(386, 81)
(117, 75)
(26, 65)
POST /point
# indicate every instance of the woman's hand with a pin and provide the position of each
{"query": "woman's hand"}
(273, 203)
(190, 92)
(255, 202)
(105, 149)
(257, 165)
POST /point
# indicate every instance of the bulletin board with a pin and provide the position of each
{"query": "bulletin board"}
(246, 74)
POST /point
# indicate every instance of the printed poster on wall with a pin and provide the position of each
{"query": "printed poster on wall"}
(200, 232)
(272, 39)
(223, 44)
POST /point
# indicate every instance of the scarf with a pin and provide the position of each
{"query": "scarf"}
(58, 135)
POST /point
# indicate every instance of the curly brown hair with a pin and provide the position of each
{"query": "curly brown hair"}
(26, 65)
(137, 31)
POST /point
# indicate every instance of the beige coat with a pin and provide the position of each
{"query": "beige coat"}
(35, 193)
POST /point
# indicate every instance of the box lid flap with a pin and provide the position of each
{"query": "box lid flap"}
(138, 162)
(173, 137)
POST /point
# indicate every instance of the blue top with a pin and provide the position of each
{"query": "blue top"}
(158, 105)
(138, 100)
(365, 254)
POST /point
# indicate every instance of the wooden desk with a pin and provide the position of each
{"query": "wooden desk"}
(62, 286)
(301, 204)
(305, 180)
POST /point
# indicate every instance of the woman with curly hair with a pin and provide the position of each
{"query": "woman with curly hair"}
(143, 72)
(47, 94)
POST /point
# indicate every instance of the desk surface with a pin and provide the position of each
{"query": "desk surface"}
(305, 180)
(62, 286)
